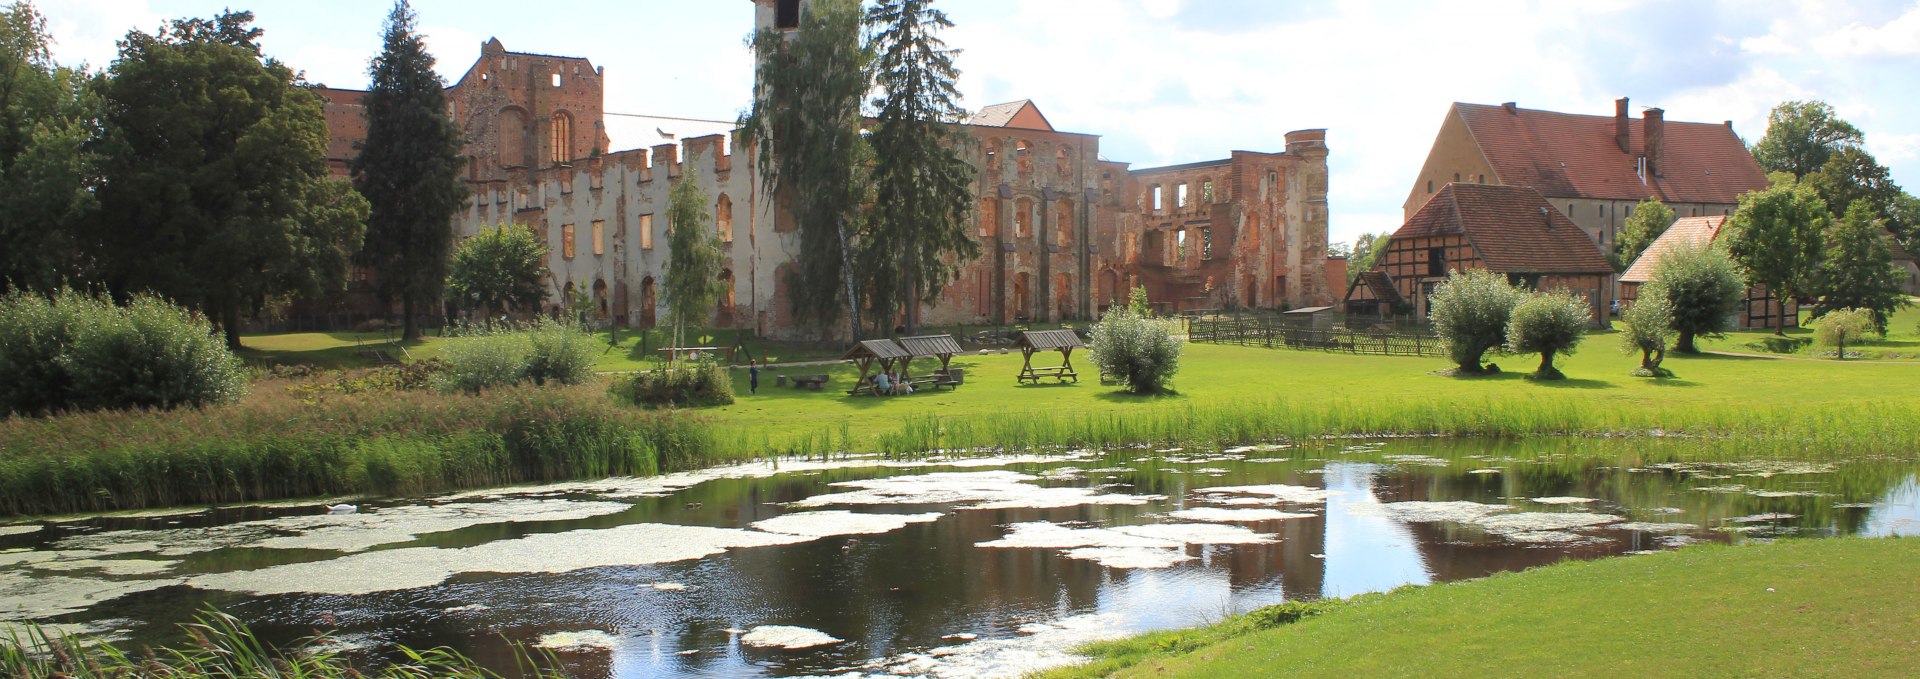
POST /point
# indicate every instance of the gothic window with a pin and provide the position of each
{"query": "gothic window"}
(562, 138)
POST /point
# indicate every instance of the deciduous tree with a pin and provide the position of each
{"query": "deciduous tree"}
(500, 269)
(409, 171)
(805, 124)
(48, 167)
(1548, 323)
(1858, 270)
(1801, 136)
(216, 192)
(1470, 311)
(1841, 327)
(1650, 219)
(1703, 285)
(1776, 238)
(1367, 250)
(693, 258)
(1648, 327)
(923, 186)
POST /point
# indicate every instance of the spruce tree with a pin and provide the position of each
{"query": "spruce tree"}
(409, 170)
(923, 187)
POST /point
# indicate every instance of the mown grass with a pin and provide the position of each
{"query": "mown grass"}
(1843, 607)
(1902, 342)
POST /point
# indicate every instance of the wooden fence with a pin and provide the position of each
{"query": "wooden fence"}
(1386, 339)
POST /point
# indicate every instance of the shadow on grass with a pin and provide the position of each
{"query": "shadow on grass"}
(1670, 382)
(1575, 384)
(1120, 395)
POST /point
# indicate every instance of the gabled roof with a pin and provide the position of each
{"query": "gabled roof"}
(1377, 284)
(1513, 229)
(1050, 339)
(882, 349)
(1566, 155)
(1688, 230)
(1021, 114)
(930, 345)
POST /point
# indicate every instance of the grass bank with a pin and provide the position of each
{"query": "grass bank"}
(283, 444)
(1833, 607)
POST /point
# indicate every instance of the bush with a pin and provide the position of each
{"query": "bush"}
(1841, 327)
(1704, 287)
(549, 352)
(1470, 313)
(1548, 323)
(1649, 325)
(706, 384)
(1143, 352)
(74, 351)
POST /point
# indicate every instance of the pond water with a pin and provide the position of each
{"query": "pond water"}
(962, 567)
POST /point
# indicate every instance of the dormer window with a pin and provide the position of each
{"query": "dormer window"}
(786, 14)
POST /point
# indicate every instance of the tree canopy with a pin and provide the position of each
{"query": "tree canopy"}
(693, 283)
(48, 165)
(216, 191)
(500, 269)
(1802, 136)
(409, 170)
(1650, 219)
(1776, 238)
(1470, 311)
(1858, 270)
(1548, 323)
(1367, 250)
(916, 238)
(1702, 285)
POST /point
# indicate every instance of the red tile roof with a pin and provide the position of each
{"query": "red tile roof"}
(1694, 230)
(1513, 229)
(1566, 155)
(1010, 115)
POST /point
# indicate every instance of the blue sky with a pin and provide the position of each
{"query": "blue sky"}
(1172, 81)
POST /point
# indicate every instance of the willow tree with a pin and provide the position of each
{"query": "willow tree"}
(916, 239)
(409, 170)
(805, 124)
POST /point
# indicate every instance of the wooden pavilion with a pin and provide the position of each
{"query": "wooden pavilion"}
(1063, 341)
(868, 353)
(942, 347)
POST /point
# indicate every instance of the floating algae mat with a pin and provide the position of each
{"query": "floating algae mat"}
(942, 567)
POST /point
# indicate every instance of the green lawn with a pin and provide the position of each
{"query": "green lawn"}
(1844, 607)
(1902, 342)
(331, 350)
(1224, 375)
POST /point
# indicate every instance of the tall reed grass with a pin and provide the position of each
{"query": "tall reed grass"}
(220, 645)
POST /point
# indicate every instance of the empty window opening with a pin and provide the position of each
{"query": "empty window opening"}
(1180, 195)
(599, 237)
(723, 218)
(1206, 192)
(562, 138)
(1436, 261)
(1483, 179)
(786, 14)
(1206, 242)
(1429, 186)
(1180, 245)
(556, 80)
(646, 232)
(1157, 199)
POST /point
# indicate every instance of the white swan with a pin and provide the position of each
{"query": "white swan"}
(342, 509)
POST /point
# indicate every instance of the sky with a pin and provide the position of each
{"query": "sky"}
(1175, 81)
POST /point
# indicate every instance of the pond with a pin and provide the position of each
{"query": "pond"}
(956, 567)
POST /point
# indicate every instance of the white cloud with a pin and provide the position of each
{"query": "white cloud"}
(1900, 36)
(84, 31)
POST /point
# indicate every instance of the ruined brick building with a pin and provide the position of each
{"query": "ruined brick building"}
(1063, 233)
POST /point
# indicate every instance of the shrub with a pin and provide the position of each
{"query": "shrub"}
(1548, 323)
(705, 384)
(1470, 313)
(559, 352)
(74, 351)
(1841, 327)
(1649, 326)
(550, 351)
(1704, 287)
(1143, 352)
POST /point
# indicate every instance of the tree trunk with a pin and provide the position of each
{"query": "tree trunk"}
(410, 327)
(230, 324)
(846, 265)
(1685, 343)
(1840, 349)
(1780, 328)
(1546, 364)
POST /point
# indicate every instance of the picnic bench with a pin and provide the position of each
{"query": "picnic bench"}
(942, 347)
(808, 382)
(869, 353)
(1063, 341)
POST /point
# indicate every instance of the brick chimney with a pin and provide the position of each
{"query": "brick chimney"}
(1622, 131)
(1656, 134)
(1511, 107)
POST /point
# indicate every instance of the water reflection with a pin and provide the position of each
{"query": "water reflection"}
(896, 596)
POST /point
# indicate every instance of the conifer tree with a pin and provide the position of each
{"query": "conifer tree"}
(923, 187)
(409, 171)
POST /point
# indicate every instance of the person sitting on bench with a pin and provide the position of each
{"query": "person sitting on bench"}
(882, 385)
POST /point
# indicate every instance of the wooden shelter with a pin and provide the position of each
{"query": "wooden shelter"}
(868, 353)
(1063, 341)
(942, 347)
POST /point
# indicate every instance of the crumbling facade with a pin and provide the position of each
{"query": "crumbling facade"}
(1062, 233)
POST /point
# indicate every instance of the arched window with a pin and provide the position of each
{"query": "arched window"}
(1023, 218)
(562, 139)
(600, 301)
(1062, 162)
(723, 218)
(1023, 157)
(513, 137)
(647, 301)
(1063, 224)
